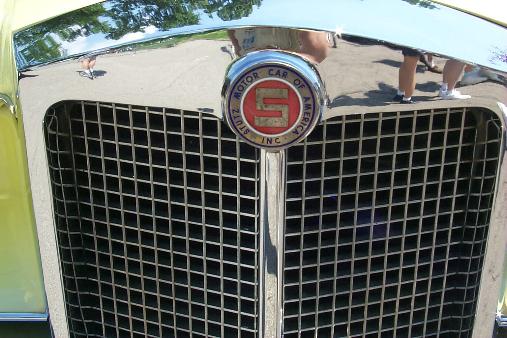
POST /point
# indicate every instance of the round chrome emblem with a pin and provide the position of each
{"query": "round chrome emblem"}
(272, 99)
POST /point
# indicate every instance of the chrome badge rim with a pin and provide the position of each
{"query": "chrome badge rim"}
(275, 104)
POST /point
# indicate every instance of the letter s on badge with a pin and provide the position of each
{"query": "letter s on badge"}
(272, 107)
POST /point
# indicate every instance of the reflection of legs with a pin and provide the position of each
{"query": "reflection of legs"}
(86, 64)
(451, 74)
(406, 78)
(91, 65)
(427, 59)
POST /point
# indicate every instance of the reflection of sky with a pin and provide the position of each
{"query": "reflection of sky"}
(98, 41)
(438, 30)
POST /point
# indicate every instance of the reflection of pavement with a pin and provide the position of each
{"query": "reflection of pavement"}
(190, 76)
(365, 78)
(159, 77)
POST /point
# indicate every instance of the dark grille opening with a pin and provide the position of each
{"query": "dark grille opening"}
(387, 220)
(156, 213)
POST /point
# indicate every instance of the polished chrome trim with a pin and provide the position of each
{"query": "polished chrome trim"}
(7, 100)
(273, 166)
(369, 18)
(501, 320)
(492, 267)
(286, 60)
(23, 317)
(43, 207)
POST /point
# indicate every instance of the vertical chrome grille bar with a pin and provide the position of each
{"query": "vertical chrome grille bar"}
(302, 231)
(139, 237)
(260, 191)
(99, 282)
(407, 195)
(388, 225)
(476, 153)
(498, 181)
(487, 209)
(319, 243)
(355, 222)
(273, 168)
(106, 203)
(373, 221)
(238, 227)
(483, 142)
(421, 215)
(187, 225)
(221, 225)
(449, 236)
(337, 232)
(54, 120)
(154, 222)
(122, 213)
(203, 215)
(435, 224)
(171, 230)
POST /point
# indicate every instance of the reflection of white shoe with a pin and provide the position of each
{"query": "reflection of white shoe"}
(453, 95)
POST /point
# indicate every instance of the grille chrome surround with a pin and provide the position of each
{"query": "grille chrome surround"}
(147, 250)
(78, 138)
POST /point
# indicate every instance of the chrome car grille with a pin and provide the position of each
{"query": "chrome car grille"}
(157, 216)
(156, 213)
(387, 217)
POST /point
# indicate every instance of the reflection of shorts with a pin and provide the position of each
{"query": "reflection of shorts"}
(89, 57)
(251, 39)
(410, 52)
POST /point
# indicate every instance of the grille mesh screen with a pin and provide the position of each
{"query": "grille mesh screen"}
(156, 215)
(386, 224)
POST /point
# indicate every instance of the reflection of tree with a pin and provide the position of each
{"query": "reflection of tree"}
(47, 48)
(231, 9)
(499, 55)
(422, 3)
(132, 15)
(68, 27)
(116, 18)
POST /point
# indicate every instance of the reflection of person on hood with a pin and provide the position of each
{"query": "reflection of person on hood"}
(87, 63)
(312, 45)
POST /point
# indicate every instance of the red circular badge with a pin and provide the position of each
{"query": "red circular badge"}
(272, 100)
(271, 107)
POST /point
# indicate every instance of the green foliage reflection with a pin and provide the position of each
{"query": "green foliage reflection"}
(116, 18)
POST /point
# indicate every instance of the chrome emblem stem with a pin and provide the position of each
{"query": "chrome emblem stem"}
(272, 100)
(272, 243)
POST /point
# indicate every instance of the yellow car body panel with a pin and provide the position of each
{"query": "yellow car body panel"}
(21, 284)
